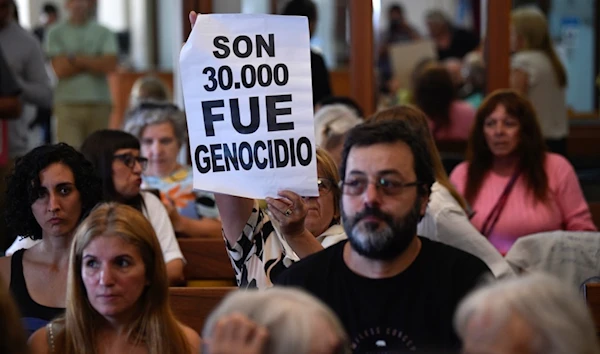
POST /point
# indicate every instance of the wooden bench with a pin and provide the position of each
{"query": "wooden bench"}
(592, 297)
(192, 306)
(207, 262)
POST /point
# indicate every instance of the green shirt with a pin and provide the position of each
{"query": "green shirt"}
(89, 39)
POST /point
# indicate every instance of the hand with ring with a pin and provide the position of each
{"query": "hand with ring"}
(289, 211)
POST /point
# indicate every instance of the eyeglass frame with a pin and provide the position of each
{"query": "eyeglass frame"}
(326, 189)
(379, 186)
(143, 161)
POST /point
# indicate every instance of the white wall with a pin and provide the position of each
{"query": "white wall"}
(29, 11)
(114, 14)
(140, 26)
(168, 18)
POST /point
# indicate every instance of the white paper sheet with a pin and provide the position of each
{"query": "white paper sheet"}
(234, 62)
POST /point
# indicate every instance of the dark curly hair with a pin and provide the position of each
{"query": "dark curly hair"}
(24, 182)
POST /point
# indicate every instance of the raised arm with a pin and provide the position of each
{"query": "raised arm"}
(234, 212)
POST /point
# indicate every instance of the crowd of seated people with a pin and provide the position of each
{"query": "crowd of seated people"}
(392, 256)
(116, 162)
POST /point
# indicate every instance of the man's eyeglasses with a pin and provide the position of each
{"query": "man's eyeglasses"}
(129, 160)
(325, 185)
(357, 186)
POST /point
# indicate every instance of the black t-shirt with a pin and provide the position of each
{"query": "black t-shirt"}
(409, 312)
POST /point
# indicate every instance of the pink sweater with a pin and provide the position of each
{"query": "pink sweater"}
(462, 117)
(566, 208)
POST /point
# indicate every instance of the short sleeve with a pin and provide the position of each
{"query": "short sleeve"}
(206, 206)
(52, 44)
(525, 63)
(159, 218)
(109, 45)
(258, 256)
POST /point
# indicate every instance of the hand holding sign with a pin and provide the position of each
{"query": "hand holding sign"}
(289, 210)
(248, 97)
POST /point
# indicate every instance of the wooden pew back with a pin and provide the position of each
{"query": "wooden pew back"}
(192, 306)
(207, 261)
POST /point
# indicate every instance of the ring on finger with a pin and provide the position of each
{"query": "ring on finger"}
(288, 212)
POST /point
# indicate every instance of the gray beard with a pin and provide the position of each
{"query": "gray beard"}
(381, 241)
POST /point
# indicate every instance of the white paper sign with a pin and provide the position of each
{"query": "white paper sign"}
(248, 99)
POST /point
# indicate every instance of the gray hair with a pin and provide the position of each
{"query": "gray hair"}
(333, 121)
(557, 315)
(288, 315)
(151, 112)
(437, 16)
(148, 87)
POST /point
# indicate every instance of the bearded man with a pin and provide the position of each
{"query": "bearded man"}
(394, 291)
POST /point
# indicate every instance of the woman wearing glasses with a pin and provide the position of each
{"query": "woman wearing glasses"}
(162, 131)
(261, 244)
(116, 158)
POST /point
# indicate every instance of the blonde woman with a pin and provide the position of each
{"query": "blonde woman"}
(117, 294)
(446, 218)
(538, 74)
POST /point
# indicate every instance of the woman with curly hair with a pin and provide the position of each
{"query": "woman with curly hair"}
(50, 190)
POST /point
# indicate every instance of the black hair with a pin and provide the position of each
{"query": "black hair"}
(99, 148)
(301, 8)
(345, 100)
(396, 7)
(23, 185)
(389, 132)
(49, 8)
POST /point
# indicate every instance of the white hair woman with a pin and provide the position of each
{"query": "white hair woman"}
(332, 122)
(533, 314)
(162, 130)
(279, 319)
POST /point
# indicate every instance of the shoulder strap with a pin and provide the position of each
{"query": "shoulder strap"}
(17, 279)
(494, 215)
